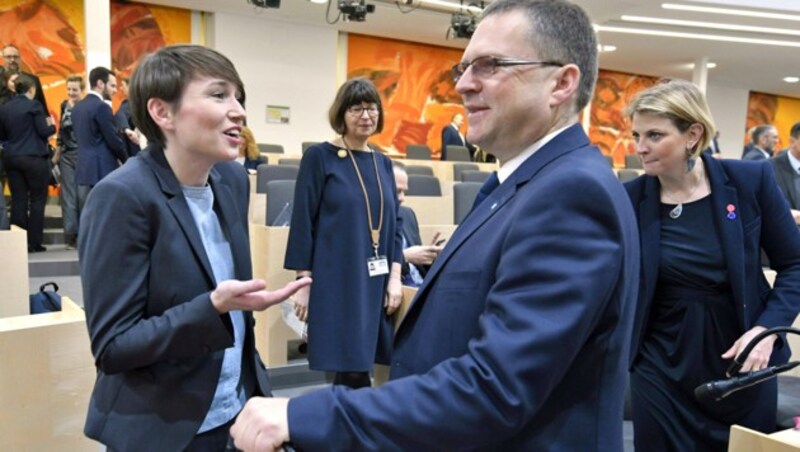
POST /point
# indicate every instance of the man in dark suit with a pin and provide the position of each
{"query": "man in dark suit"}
(100, 148)
(519, 337)
(416, 256)
(765, 138)
(452, 136)
(166, 269)
(12, 61)
(124, 121)
(787, 172)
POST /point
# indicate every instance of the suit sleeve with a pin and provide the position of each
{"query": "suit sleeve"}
(547, 300)
(40, 123)
(116, 232)
(307, 198)
(780, 239)
(107, 127)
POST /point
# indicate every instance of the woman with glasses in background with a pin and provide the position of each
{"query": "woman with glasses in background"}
(344, 233)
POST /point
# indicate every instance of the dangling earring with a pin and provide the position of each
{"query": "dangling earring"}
(691, 161)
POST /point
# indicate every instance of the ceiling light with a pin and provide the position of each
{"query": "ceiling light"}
(712, 25)
(791, 79)
(318, 1)
(708, 65)
(731, 12)
(606, 48)
(701, 36)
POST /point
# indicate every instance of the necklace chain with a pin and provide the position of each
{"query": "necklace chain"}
(676, 212)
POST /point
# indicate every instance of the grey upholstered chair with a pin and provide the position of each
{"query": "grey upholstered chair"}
(280, 196)
(268, 173)
(464, 194)
(633, 162)
(419, 185)
(626, 175)
(270, 148)
(419, 169)
(475, 176)
(292, 162)
(459, 168)
(418, 152)
(455, 153)
(307, 144)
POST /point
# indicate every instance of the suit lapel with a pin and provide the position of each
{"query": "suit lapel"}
(731, 231)
(177, 204)
(568, 140)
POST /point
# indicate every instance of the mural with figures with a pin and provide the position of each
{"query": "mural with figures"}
(781, 111)
(51, 37)
(415, 85)
(609, 129)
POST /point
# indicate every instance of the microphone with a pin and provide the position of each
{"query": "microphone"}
(714, 391)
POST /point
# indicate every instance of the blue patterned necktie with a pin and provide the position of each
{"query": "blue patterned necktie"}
(488, 187)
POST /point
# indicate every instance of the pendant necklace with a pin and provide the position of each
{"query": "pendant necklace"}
(676, 212)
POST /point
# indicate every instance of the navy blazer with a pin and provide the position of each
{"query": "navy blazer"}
(754, 154)
(157, 340)
(785, 176)
(450, 136)
(410, 230)
(762, 220)
(99, 145)
(518, 339)
(23, 128)
(123, 120)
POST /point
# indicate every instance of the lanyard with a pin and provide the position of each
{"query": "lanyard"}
(375, 232)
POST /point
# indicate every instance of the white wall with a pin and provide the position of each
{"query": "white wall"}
(281, 64)
(729, 109)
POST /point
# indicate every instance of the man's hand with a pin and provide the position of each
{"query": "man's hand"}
(262, 425)
(759, 357)
(251, 295)
(421, 254)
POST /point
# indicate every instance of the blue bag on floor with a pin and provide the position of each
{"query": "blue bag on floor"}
(45, 300)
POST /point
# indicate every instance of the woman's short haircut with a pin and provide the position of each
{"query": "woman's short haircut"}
(77, 78)
(165, 74)
(355, 91)
(680, 101)
(23, 83)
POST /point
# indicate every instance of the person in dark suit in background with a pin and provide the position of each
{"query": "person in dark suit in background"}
(417, 257)
(765, 138)
(787, 172)
(100, 148)
(12, 62)
(67, 159)
(166, 270)
(703, 223)
(451, 135)
(519, 337)
(24, 130)
(124, 121)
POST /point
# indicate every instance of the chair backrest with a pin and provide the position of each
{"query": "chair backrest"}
(280, 196)
(419, 169)
(269, 173)
(455, 153)
(271, 148)
(307, 144)
(292, 162)
(633, 162)
(475, 176)
(419, 185)
(626, 175)
(459, 168)
(418, 152)
(464, 194)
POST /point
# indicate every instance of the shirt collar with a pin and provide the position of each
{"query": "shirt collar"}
(96, 94)
(508, 168)
(793, 161)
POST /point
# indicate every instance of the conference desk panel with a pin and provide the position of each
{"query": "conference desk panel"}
(14, 286)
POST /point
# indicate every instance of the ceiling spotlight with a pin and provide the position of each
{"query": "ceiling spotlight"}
(606, 48)
(462, 25)
(791, 79)
(355, 10)
(318, 1)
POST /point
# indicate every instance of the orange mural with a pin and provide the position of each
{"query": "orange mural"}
(610, 129)
(415, 85)
(50, 38)
(781, 111)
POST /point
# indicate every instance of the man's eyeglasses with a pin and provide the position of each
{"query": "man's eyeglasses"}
(487, 65)
(358, 110)
(10, 57)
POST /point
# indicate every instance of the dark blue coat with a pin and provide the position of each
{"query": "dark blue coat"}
(762, 220)
(99, 145)
(23, 127)
(348, 329)
(519, 337)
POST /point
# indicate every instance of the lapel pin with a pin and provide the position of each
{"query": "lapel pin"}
(342, 153)
(731, 211)
(493, 206)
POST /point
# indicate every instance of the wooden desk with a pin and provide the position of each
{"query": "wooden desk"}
(745, 440)
(46, 378)
(431, 209)
(14, 286)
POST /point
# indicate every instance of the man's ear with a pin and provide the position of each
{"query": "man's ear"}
(161, 113)
(567, 83)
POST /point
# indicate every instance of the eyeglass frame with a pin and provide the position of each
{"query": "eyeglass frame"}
(458, 70)
(377, 111)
